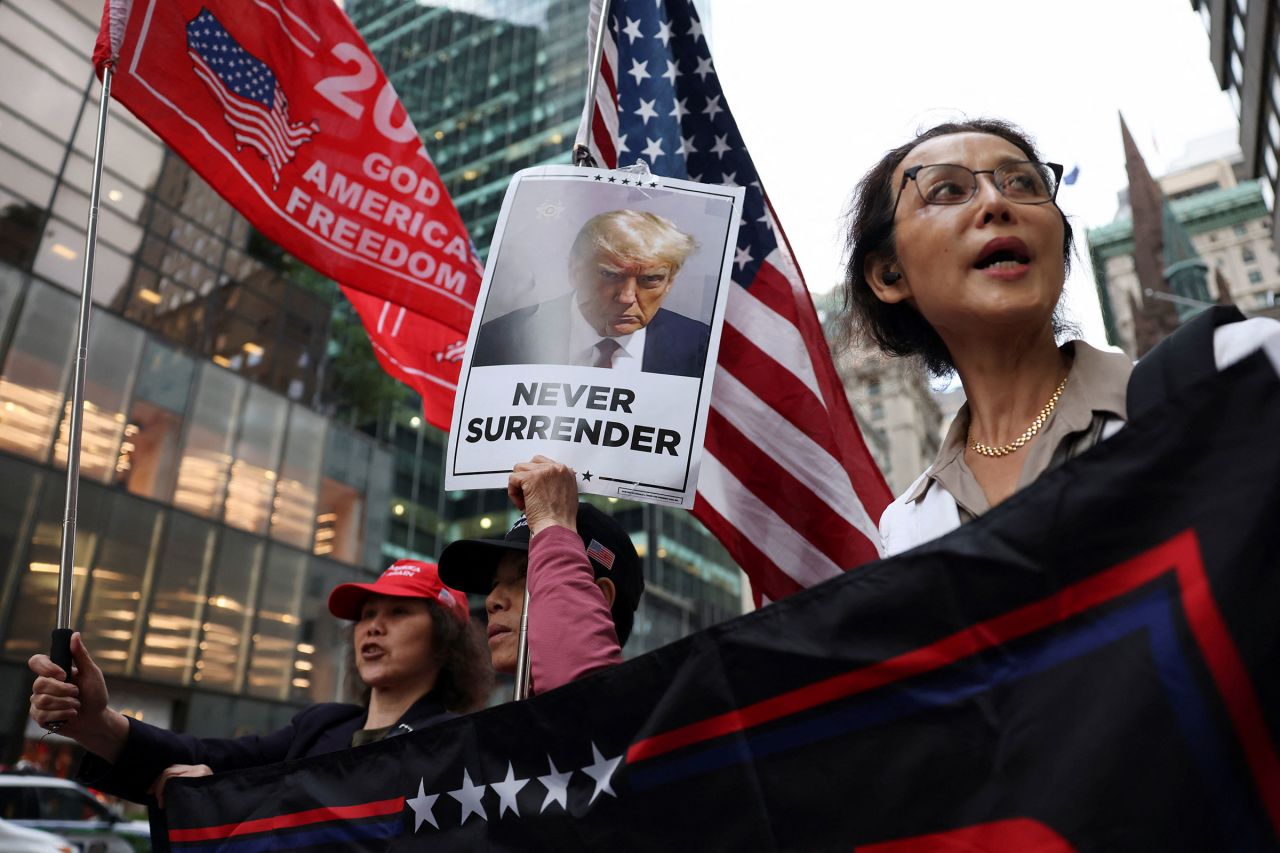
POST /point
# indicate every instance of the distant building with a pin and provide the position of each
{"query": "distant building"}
(896, 411)
(1243, 39)
(1229, 227)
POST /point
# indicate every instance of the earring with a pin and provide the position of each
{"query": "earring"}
(892, 277)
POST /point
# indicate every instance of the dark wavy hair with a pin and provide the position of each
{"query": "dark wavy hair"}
(465, 678)
(899, 329)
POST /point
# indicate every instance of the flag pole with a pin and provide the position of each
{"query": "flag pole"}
(581, 157)
(581, 149)
(60, 651)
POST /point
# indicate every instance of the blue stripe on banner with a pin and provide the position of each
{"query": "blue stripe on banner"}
(1234, 801)
(336, 833)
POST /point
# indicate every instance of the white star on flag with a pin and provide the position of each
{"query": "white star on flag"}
(672, 72)
(721, 146)
(622, 144)
(654, 149)
(646, 110)
(507, 790)
(679, 110)
(712, 107)
(601, 770)
(632, 30)
(422, 806)
(742, 257)
(728, 179)
(639, 70)
(704, 67)
(557, 785)
(695, 29)
(470, 795)
(686, 148)
(664, 31)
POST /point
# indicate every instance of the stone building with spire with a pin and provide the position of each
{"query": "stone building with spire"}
(1195, 237)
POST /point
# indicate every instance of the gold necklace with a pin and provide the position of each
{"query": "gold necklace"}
(1017, 443)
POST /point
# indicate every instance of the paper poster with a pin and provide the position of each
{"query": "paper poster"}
(596, 331)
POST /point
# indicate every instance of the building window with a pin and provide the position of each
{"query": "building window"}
(1247, 255)
(1255, 277)
(36, 372)
(1241, 229)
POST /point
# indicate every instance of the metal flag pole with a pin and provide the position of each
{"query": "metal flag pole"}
(581, 157)
(60, 651)
(522, 651)
(581, 149)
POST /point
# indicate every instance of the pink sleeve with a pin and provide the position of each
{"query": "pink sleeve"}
(571, 632)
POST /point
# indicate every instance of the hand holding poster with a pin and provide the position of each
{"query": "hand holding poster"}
(597, 332)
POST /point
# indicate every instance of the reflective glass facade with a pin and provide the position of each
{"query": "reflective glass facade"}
(495, 86)
(220, 498)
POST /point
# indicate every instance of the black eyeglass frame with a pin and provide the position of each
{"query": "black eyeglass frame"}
(909, 174)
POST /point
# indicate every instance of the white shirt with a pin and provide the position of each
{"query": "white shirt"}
(583, 339)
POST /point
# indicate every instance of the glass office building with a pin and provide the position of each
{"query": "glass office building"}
(221, 499)
(495, 86)
(236, 463)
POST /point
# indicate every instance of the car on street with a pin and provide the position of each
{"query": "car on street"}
(21, 839)
(70, 811)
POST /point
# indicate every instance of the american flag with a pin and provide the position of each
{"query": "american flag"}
(252, 101)
(787, 483)
(600, 554)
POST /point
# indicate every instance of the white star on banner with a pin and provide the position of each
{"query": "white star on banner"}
(721, 146)
(470, 795)
(695, 29)
(704, 67)
(622, 145)
(729, 179)
(557, 785)
(632, 30)
(679, 110)
(654, 149)
(742, 257)
(507, 790)
(664, 31)
(422, 806)
(712, 107)
(672, 72)
(601, 770)
(687, 147)
(639, 70)
(766, 220)
(646, 110)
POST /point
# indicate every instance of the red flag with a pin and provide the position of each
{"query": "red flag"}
(280, 107)
(787, 484)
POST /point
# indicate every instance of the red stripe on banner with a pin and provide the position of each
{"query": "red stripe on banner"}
(777, 387)
(606, 73)
(1018, 835)
(289, 821)
(765, 574)
(792, 500)
(1179, 555)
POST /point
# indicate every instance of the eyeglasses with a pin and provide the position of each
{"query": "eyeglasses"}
(1022, 182)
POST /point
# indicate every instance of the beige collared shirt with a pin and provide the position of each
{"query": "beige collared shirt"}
(1095, 393)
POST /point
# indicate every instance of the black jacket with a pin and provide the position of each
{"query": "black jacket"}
(322, 728)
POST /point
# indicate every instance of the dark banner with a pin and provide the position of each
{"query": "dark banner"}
(1091, 666)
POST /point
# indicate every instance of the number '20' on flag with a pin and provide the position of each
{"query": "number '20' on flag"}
(787, 483)
(281, 108)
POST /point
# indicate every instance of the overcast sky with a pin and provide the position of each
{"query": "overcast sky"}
(821, 89)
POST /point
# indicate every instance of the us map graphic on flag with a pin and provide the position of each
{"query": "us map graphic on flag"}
(248, 92)
(1088, 667)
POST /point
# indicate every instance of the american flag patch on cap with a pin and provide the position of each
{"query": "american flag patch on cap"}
(600, 554)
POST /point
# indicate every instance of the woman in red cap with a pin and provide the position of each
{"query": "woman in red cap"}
(416, 652)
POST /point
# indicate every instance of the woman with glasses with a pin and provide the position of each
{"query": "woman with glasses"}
(958, 254)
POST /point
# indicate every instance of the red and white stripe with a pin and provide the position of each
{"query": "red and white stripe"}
(787, 483)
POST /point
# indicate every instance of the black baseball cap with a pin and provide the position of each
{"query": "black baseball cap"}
(470, 564)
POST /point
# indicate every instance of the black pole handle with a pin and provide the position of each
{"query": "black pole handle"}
(60, 650)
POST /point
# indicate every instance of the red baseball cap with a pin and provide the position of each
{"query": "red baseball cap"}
(404, 579)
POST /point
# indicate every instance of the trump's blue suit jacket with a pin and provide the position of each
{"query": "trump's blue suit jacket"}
(539, 334)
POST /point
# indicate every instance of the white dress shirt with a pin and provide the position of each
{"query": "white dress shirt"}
(583, 339)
